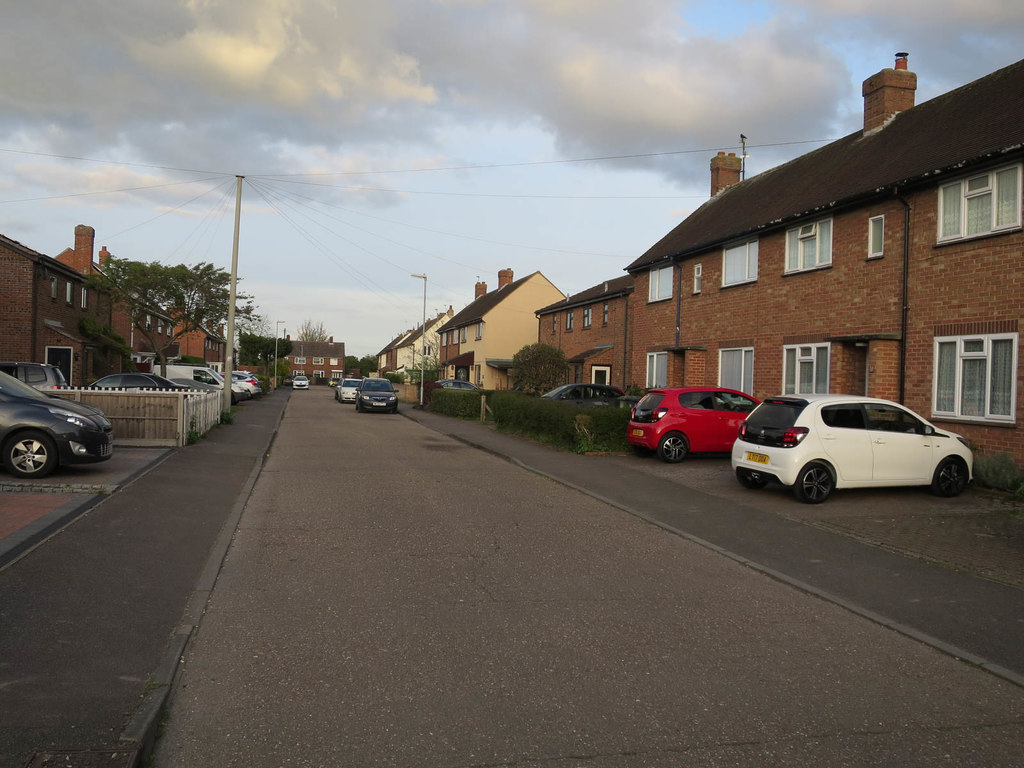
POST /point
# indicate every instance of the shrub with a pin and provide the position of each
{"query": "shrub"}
(999, 471)
(454, 402)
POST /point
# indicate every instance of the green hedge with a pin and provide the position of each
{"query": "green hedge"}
(561, 424)
(455, 402)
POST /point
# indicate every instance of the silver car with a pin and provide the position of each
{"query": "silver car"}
(345, 391)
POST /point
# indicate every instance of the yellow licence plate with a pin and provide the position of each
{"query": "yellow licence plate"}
(759, 458)
(638, 433)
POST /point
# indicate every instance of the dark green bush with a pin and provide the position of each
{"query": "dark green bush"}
(561, 424)
(455, 402)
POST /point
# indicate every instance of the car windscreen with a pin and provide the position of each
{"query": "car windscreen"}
(376, 386)
(350, 383)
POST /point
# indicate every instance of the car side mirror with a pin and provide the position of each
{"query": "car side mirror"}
(927, 429)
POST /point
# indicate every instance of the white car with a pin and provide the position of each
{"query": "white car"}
(817, 443)
(300, 382)
(345, 391)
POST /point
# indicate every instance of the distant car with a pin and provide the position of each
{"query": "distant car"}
(247, 380)
(300, 382)
(38, 433)
(376, 395)
(586, 394)
(137, 381)
(39, 375)
(817, 443)
(345, 391)
(677, 421)
(457, 384)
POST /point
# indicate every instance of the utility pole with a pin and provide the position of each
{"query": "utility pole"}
(229, 357)
(423, 337)
(277, 334)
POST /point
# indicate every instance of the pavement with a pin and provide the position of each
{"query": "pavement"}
(83, 681)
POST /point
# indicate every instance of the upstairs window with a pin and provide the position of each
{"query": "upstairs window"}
(978, 205)
(85, 297)
(660, 284)
(53, 287)
(479, 331)
(876, 237)
(604, 317)
(69, 290)
(809, 246)
(300, 360)
(739, 264)
(568, 319)
(698, 278)
(587, 315)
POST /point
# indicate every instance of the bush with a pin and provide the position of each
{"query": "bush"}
(999, 471)
(459, 403)
(562, 425)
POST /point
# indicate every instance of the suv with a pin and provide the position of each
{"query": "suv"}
(817, 443)
(678, 421)
(376, 395)
(38, 375)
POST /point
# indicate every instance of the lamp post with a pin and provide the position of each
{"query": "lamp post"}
(277, 335)
(423, 336)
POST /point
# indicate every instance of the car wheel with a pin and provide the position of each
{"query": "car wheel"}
(30, 454)
(750, 479)
(673, 447)
(814, 484)
(950, 477)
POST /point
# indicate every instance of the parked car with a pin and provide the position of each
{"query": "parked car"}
(345, 391)
(586, 394)
(247, 380)
(457, 384)
(39, 432)
(39, 375)
(300, 382)
(202, 377)
(678, 421)
(817, 443)
(137, 381)
(376, 395)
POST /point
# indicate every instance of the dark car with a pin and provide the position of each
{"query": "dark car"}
(586, 394)
(39, 375)
(468, 386)
(137, 381)
(678, 421)
(39, 432)
(376, 395)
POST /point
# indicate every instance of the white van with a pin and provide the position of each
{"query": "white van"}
(205, 375)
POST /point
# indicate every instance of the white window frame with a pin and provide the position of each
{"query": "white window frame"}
(53, 288)
(876, 237)
(69, 292)
(746, 369)
(569, 317)
(657, 369)
(588, 315)
(604, 317)
(795, 358)
(85, 297)
(605, 369)
(809, 246)
(479, 330)
(960, 352)
(962, 209)
(659, 287)
(318, 361)
(739, 263)
(698, 278)
(462, 335)
(300, 361)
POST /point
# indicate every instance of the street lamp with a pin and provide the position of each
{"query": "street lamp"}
(423, 336)
(277, 334)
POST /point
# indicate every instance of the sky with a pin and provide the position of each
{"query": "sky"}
(378, 139)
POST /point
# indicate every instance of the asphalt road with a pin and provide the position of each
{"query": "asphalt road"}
(395, 597)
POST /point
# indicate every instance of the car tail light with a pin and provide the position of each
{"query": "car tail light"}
(793, 436)
(658, 413)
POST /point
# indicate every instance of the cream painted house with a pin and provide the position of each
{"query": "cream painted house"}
(478, 343)
(405, 354)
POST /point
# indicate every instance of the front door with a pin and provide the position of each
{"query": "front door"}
(60, 357)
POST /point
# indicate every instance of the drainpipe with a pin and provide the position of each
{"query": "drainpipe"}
(679, 301)
(905, 295)
(625, 340)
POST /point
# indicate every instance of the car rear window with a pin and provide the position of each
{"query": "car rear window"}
(650, 401)
(775, 414)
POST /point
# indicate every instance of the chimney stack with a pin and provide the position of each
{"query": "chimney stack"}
(725, 171)
(104, 256)
(481, 289)
(504, 277)
(889, 92)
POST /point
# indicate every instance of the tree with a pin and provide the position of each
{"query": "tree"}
(539, 367)
(365, 365)
(310, 331)
(254, 349)
(195, 298)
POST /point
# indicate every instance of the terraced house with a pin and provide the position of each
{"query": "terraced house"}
(887, 263)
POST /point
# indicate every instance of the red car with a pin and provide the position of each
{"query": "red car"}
(678, 421)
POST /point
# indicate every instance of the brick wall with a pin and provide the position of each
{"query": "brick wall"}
(551, 330)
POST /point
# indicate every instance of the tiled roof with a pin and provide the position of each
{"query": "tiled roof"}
(977, 123)
(334, 349)
(475, 310)
(619, 286)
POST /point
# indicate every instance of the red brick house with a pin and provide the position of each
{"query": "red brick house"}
(318, 360)
(889, 263)
(592, 329)
(49, 315)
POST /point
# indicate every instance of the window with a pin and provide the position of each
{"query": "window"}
(479, 331)
(462, 335)
(805, 369)
(604, 317)
(318, 361)
(657, 369)
(568, 319)
(53, 287)
(980, 204)
(318, 374)
(736, 369)
(876, 237)
(698, 278)
(587, 314)
(554, 323)
(975, 376)
(739, 264)
(69, 292)
(660, 284)
(300, 361)
(809, 246)
(85, 297)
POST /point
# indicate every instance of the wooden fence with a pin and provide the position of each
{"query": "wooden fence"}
(152, 417)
